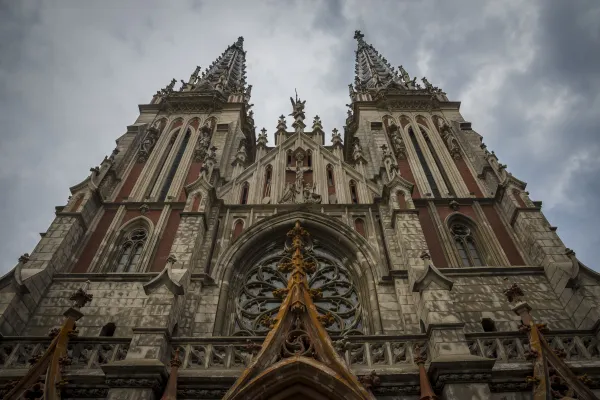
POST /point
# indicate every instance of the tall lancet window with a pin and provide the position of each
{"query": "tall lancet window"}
(130, 250)
(438, 163)
(434, 189)
(169, 179)
(465, 244)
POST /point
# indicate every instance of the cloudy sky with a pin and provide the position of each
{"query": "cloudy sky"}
(72, 74)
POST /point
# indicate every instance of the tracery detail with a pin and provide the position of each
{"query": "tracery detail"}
(131, 250)
(465, 244)
(263, 289)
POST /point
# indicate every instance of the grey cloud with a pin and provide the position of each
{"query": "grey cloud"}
(71, 77)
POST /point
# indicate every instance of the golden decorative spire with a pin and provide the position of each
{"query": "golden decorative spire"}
(548, 367)
(171, 389)
(297, 356)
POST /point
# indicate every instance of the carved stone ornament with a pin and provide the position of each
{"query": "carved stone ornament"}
(297, 345)
(148, 144)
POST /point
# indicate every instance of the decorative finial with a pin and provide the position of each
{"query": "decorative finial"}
(24, 259)
(358, 35)
(80, 298)
(263, 131)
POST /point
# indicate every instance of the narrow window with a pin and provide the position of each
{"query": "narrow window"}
(330, 181)
(353, 193)
(174, 166)
(268, 177)
(289, 158)
(439, 164)
(517, 195)
(196, 203)
(244, 195)
(108, 330)
(309, 158)
(163, 161)
(359, 225)
(237, 229)
(77, 203)
(175, 331)
(401, 200)
(465, 244)
(428, 174)
(131, 250)
(488, 325)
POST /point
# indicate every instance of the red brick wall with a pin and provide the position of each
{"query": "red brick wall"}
(192, 175)
(91, 247)
(407, 174)
(468, 177)
(432, 238)
(132, 178)
(505, 240)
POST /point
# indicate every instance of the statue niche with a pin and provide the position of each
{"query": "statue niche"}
(300, 191)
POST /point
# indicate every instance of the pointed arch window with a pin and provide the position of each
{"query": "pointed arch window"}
(309, 159)
(237, 229)
(438, 163)
(130, 250)
(434, 188)
(289, 158)
(353, 192)
(465, 244)
(244, 194)
(268, 178)
(169, 179)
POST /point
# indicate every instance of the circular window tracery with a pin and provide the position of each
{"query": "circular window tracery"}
(255, 299)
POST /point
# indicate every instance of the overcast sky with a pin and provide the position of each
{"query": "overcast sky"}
(72, 74)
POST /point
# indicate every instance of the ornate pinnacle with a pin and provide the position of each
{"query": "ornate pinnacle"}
(358, 35)
(80, 298)
(24, 259)
(514, 293)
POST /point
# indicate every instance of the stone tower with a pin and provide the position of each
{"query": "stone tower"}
(431, 262)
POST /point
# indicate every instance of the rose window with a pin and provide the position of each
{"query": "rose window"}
(255, 301)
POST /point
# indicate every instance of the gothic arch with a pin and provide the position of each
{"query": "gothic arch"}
(109, 263)
(363, 264)
(479, 243)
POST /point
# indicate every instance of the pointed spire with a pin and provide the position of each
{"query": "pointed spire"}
(228, 72)
(372, 70)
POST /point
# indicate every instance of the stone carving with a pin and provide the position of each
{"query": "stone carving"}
(299, 192)
(148, 144)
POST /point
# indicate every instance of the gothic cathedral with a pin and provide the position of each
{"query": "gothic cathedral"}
(401, 261)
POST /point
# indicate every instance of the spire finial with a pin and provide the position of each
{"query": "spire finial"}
(358, 35)
(240, 42)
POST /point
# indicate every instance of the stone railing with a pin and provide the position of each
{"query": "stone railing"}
(508, 347)
(358, 351)
(85, 353)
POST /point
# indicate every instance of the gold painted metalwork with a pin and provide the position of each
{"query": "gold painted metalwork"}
(297, 353)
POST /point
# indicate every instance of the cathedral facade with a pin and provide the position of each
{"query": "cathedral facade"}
(400, 261)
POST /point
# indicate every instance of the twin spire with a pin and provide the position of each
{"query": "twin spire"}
(227, 73)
